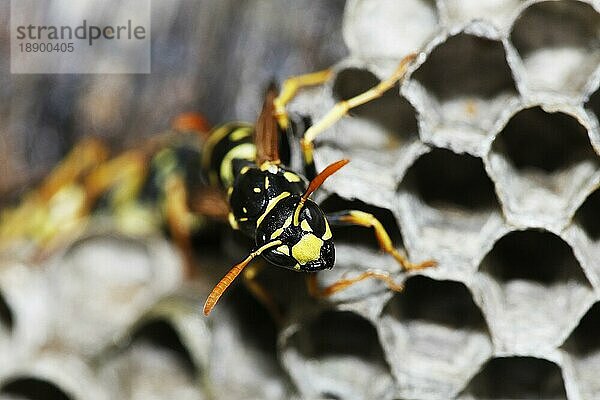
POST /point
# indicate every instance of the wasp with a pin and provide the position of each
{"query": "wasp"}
(139, 190)
(271, 203)
(234, 172)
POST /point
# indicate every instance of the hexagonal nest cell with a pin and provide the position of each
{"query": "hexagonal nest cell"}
(448, 201)
(120, 272)
(443, 179)
(562, 58)
(541, 161)
(517, 378)
(467, 83)
(337, 354)
(155, 348)
(435, 336)
(530, 282)
(532, 255)
(549, 142)
(390, 120)
(160, 334)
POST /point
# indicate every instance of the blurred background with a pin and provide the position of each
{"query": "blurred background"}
(64, 324)
(210, 56)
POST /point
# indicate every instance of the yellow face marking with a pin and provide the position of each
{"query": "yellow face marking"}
(327, 235)
(283, 250)
(243, 219)
(305, 226)
(233, 222)
(245, 151)
(256, 190)
(297, 267)
(291, 177)
(307, 249)
(297, 212)
(277, 233)
(244, 170)
(270, 206)
(287, 222)
(266, 182)
(245, 210)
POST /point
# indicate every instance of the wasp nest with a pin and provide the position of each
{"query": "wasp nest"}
(484, 159)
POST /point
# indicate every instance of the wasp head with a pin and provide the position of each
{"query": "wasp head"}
(304, 233)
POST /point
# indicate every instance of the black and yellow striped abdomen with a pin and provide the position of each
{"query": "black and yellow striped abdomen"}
(225, 151)
(262, 199)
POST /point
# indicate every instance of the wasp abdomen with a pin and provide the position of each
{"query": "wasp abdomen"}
(226, 146)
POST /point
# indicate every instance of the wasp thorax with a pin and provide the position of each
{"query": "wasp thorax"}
(305, 236)
(257, 190)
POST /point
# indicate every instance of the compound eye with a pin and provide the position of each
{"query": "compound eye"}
(315, 219)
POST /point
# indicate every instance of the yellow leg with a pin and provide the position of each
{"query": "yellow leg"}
(260, 292)
(342, 108)
(360, 218)
(84, 157)
(317, 292)
(179, 219)
(31, 218)
(125, 173)
(289, 89)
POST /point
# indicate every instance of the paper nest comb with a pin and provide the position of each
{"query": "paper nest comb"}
(486, 159)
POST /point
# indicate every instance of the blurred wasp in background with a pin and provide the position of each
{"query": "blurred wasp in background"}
(139, 190)
(236, 171)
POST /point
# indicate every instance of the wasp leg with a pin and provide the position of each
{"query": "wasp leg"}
(84, 157)
(360, 218)
(289, 89)
(31, 220)
(315, 291)
(260, 292)
(343, 107)
(125, 173)
(180, 219)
